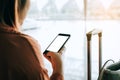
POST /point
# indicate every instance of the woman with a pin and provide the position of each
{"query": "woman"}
(20, 55)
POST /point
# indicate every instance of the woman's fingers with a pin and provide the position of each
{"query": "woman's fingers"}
(55, 60)
(47, 57)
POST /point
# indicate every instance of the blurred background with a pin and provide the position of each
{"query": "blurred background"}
(47, 18)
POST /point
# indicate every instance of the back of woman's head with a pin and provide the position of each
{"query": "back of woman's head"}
(13, 12)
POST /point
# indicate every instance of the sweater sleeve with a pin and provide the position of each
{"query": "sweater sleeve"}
(38, 54)
(35, 45)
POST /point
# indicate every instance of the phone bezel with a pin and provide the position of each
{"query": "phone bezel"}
(60, 34)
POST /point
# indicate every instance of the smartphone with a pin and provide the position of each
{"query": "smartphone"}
(58, 42)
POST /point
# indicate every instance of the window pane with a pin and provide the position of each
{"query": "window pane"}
(103, 15)
(47, 18)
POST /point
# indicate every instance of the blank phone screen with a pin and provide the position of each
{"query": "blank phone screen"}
(57, 43)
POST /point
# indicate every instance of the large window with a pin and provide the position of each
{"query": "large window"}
(47, 18)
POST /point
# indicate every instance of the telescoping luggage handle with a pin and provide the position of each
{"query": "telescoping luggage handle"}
(89, 35)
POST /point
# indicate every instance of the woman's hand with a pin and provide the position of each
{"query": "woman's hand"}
(56, 60)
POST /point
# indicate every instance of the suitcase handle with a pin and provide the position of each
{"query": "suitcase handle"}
(89, 35)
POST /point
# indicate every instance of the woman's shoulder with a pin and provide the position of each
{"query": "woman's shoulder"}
(29, 38)
(23, 35)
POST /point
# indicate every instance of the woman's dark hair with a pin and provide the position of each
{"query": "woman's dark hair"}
(7, 12)
(12, 11)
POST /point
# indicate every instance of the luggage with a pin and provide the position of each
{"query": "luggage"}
(111, 72)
